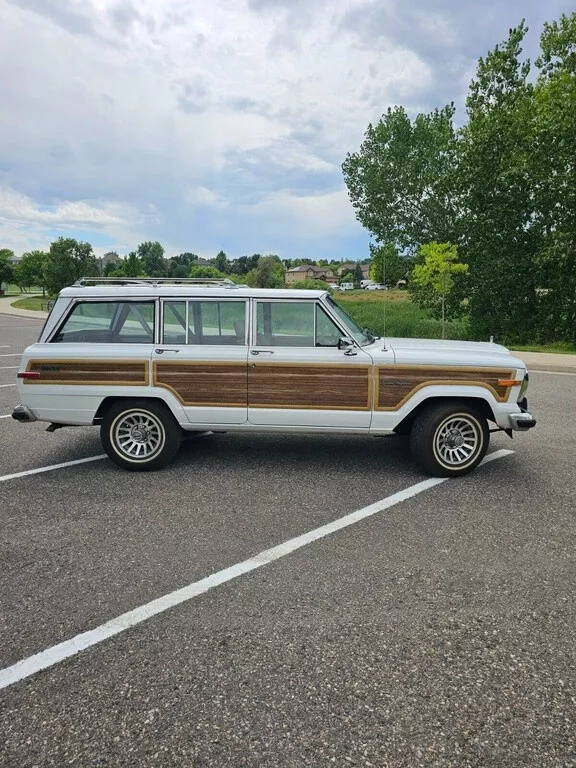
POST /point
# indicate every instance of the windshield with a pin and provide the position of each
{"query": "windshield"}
(359, 334)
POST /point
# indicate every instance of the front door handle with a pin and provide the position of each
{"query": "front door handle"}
(261, 352)
(160, 351)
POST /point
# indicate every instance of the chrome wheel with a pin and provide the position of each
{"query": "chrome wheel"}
(138, 435)
(458, 440)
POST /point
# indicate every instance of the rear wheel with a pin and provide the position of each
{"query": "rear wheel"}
(140, 435)
(449, 440)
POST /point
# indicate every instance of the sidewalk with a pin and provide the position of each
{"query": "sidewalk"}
(536, 361)
(7, 309)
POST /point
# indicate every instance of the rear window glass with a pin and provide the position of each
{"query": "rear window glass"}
(109, 322)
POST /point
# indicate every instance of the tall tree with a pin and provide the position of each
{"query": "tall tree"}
(358, 276)
(133, 266)
(244, 264)
(6, 269)
(433, 280)
(31, 269)
(502, 236)
(151, 254)
(68, 260)
(386, 265)
(553, 165)
(269, 273)
(221, 262)
(402, 182)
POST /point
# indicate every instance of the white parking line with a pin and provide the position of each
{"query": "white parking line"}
(8, 385)
(6, 416)
(55, 654)
(5, 367)
(11, 354)
(49, 468)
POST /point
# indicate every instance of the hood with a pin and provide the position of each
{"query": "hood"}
(437, 352)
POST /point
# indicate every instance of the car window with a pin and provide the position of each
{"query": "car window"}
(327, 332)
(174, 322)
(204, 322)
(109, 322)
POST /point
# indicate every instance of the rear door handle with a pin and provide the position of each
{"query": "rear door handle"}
(160, 351)
(261, 352)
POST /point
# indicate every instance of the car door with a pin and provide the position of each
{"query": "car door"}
(202, 358)
(297, 375)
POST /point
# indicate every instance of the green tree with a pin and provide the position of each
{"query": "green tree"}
(132, 267)
(554, 172)
(403, 181)
(386, 265)
(358, 276)
(433, 280)
(151, 255)
(210, 273)
(502, 232)
(221, 262)
(347, 278)
(110, 267)
(6, 269)
(269, 273)
(67, 261)
(244, 264)
(31, 269)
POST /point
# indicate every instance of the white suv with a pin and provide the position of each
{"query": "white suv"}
(148, 360)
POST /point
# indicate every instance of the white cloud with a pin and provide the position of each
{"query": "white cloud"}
(177, 116)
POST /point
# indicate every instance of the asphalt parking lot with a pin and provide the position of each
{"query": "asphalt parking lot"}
(437, 632)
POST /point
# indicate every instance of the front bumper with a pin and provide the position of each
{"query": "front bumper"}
(24, 414)
(522, 421)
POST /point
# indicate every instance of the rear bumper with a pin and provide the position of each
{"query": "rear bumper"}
(24, 414)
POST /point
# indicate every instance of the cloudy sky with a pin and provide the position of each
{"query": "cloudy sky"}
(210, 124)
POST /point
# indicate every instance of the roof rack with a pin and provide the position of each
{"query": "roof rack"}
(226, 282)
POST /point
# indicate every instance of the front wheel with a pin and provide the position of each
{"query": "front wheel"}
(140, 435)
(449, 440)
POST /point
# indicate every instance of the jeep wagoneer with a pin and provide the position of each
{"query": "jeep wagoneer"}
(148, 360)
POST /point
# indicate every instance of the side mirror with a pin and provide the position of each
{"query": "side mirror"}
(347, 344)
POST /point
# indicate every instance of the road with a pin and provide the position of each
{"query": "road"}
(437, 632)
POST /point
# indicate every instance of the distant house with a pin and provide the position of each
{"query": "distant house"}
(350, 267)
(310, 271)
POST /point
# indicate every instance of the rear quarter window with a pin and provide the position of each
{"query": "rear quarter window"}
(108, 322)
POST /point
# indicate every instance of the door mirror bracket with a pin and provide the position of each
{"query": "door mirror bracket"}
(347, 344)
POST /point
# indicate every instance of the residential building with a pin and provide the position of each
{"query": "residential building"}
(307, 271)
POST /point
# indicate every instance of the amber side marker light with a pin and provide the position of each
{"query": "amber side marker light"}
(28, 374)
(509, 383)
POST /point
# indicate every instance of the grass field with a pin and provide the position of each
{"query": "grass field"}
(31, 302)
(392, 313)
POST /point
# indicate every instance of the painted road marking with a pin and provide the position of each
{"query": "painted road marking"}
(8, 385)
(27, 667)
(11, 354)
(7, 416)
(5, 367)
(16, 475)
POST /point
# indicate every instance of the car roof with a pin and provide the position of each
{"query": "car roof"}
(185, 291)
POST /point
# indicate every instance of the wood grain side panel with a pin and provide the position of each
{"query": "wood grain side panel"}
(395, 385)
(113, 372)
(204, 384)
(327, 387)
